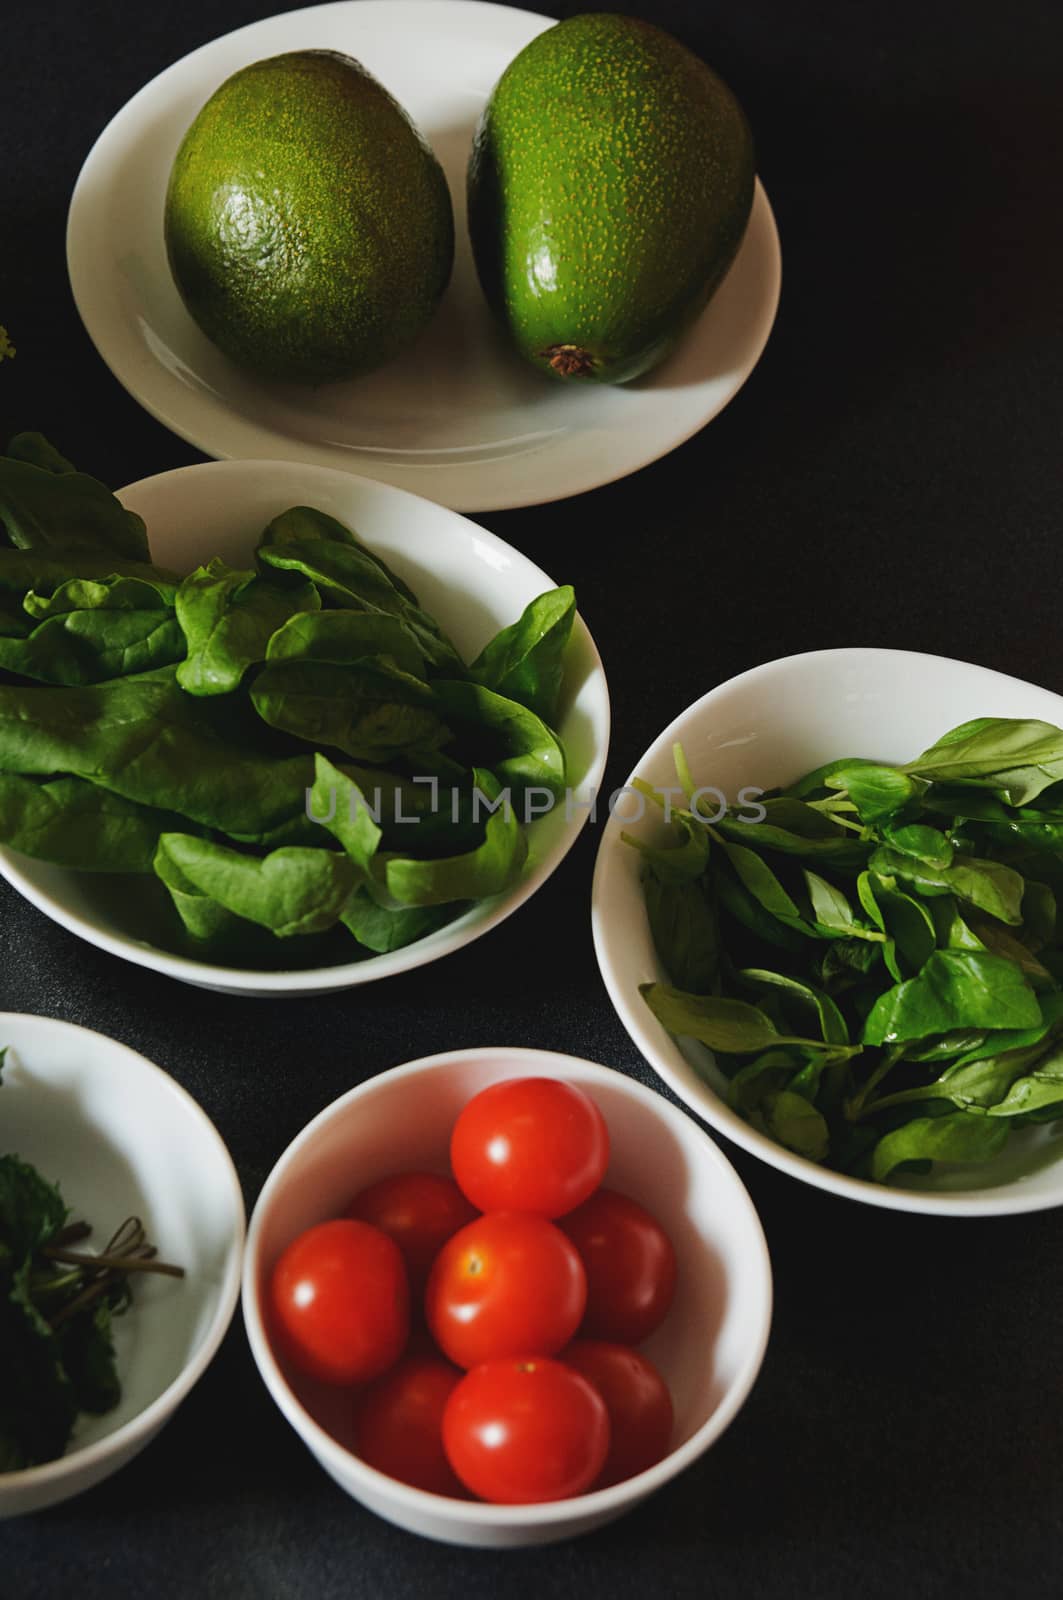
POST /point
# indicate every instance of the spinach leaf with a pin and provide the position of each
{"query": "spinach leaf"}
(82, 647)
(300, 523)
(490, 868)
(45, 510)
(525, 662)
(291, 891)
(348, 576)
(339, 804)
(227, 618)
(24, 570)
(38, 451)
(343, 637)
(76, 824)
(113, 593)
(368, 709)
(383, 928)
(523, 751)
(143, 738)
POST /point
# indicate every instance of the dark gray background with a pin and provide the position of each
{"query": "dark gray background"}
(889, 476)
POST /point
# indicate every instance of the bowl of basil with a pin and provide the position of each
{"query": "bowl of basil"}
(829, 912)
(275, 729)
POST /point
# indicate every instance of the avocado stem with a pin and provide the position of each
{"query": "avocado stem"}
(569, 360)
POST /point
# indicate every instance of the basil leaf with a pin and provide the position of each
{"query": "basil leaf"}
(685, 935)
(955, 989)
(732, 1026)
(957, 1137)
(1017, 758)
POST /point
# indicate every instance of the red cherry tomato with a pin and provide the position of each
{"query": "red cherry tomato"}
(399, 1424)
(637, 1400)
(530, 1144)
(630, 1267)
(507, 1284)
(419, 1211)
(526, 1430)
(339, 1302)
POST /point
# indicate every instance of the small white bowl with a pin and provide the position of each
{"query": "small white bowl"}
(768, 727)
(468, 578)
(709, 1349)
(122, 1139)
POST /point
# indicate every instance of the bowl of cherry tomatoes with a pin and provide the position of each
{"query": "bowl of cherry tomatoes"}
(504, 1294)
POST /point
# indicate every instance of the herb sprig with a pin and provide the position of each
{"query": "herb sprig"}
(57, 1303)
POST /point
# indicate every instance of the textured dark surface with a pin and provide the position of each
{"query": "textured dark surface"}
(889, 476)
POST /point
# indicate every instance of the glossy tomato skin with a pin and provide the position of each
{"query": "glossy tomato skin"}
(420, 1211)
(530, 1144)
(637, 1400)
(339, 1302)
(526, 1430)
(399, 1424)
(630, 1264)
(505, 1284)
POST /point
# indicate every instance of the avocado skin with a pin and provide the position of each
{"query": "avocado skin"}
(309, 227)
(609, 188)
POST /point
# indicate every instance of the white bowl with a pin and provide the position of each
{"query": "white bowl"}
(121, 1139)
(472, 581)
(709, 1349)
(768, 727)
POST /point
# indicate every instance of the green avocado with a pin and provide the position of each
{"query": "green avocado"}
(610, 185)
(308, 225)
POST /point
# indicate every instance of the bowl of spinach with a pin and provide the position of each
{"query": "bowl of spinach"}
(275, 729)
(829, 912)
(121, 1240)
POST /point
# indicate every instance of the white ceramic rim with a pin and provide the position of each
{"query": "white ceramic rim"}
(254, 984)
(248, 440)
(646, 1032)
(139, 1429)
(600, 1501)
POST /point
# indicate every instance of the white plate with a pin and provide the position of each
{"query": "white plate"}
(473, 582)
(460, 419)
